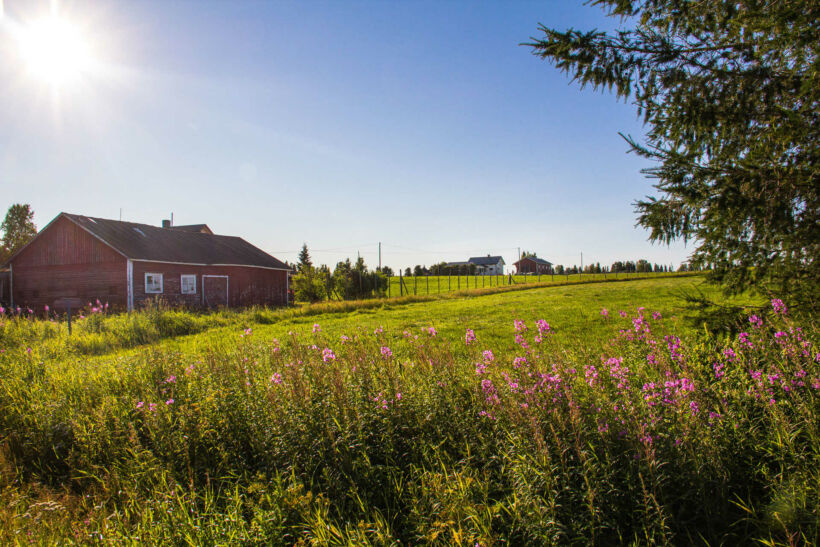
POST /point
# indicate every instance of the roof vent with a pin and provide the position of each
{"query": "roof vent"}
(166, 223)
(140, 232)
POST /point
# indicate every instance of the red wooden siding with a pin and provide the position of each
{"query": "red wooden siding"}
(63, 242)
(66, 261)
(247, 285)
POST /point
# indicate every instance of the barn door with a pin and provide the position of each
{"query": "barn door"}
(214, 291)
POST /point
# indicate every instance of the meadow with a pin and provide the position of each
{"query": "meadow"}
(437, 284)
(581, 414)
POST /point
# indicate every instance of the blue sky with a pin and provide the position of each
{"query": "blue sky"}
(423, 125)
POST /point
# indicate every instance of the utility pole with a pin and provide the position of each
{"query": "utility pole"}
(582, 265)
(380, 256)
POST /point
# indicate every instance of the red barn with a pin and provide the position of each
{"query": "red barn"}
(125, 264)
(533, 265)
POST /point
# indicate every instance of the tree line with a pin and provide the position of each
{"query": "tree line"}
(347, 281)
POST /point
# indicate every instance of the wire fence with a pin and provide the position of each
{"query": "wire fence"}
(436, 284)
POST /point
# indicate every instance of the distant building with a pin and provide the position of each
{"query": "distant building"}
(533, 265)
(488, 265)
(125, 264)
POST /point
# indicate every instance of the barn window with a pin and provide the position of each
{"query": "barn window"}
(153, 283)
(188, 284)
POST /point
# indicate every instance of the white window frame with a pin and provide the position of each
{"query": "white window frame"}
(152, 290)
(182, 283)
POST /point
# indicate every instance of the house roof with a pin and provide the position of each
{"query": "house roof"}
(151, 243)
(194, 228)
(536, 260)
(461, 263)
(485, 260)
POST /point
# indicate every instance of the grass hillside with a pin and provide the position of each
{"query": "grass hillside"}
(587, 414)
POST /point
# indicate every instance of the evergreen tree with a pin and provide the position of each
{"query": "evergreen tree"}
(729, 93)
(304, 259)
(18, 229)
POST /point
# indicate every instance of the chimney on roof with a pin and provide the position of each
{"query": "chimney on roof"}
(166, 223)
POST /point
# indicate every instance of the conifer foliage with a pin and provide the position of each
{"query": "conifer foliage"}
(729, 92)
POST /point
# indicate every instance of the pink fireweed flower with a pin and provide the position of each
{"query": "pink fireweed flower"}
(718, 367)
(519, 362)
(521, 341)
(543, 327)
(47, 308)
(171, 379)
(622, 313)
(276, 378)
(317, 328)
(379, 330)
(152, 407)
(169, 402)
(431, 331)
(488, 356)
(469, 337)
(398, 396)
(328, 355)
(140, 404)
(604, 312)
(344, 338)
(755, 321)
(656, 315)
(591, 374)
(779, 306)
(519, 325)
(480, 369)
(386, 352)
(694, 407)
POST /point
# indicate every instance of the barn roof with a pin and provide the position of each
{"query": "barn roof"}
(194, 228)
(182, 245)
(485, 260)
(536, 260)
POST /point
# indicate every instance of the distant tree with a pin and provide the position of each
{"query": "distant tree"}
(407, 272)
(417, 270)
(387, 270)
(310, 285)
(354, 281)
(559, 269)
(304, 258)
(729, 94)
(18, 229)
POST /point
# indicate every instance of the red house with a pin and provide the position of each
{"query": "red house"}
(125, 264)
(533, 265)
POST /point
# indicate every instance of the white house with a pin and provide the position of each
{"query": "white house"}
(488, 265)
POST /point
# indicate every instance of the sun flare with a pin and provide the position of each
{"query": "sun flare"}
(55, 51)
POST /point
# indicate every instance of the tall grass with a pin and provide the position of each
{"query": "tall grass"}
(411, 437)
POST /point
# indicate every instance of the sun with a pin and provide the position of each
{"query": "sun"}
(55, 51)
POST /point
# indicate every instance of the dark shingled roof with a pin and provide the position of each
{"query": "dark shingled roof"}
(536, 260)
(146, 242)
(194, 228)
(485, 260)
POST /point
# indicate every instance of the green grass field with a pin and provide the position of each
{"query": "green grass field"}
(436, 284)
(495, 417)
